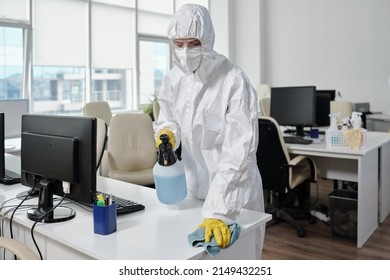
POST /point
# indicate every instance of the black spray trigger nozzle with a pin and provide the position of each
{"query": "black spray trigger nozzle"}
(166, 155)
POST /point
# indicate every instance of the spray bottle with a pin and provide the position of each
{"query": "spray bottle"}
(356, 120)
(333, 122)
(169, 175)
(331, 133)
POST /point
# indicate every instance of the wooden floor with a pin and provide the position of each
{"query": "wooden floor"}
(282, 243)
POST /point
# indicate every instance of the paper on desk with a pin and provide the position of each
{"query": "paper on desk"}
(353, 138)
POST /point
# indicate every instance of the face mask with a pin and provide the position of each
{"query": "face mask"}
(188, 60)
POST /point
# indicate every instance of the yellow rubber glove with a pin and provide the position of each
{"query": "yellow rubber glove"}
(170, 135)
(217, 228)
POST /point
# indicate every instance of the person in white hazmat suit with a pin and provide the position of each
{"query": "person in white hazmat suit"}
(209, 106)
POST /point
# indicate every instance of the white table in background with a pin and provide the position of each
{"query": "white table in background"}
(369, 167)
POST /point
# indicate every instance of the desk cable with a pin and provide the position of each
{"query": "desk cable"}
(14, 211)
(17, 207)
(14, 208)
(5, 214)
(40, 219)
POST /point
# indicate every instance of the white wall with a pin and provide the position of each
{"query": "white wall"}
(237, 34)
(333, 44)
(343, 45)
(219, 12)
(246, 43)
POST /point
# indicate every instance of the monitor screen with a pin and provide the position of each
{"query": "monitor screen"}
(57, 151)
(323, 109)
(294, 106)
(13, 110)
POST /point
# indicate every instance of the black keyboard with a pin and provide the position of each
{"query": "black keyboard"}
(296, 140)
(10, 178)
(124, 206)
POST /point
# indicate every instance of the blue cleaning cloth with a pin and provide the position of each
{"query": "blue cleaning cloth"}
(196, 239)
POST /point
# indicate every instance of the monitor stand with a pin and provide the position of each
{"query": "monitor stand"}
(45, 212)
(299, 130)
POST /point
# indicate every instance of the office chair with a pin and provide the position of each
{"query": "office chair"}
(21, 251)
(265, 106)
(286, 181)
(101, 140)
(99, 109)
(131, 149)
(263, 91)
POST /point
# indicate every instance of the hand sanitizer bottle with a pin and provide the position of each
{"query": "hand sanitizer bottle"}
(331, 133)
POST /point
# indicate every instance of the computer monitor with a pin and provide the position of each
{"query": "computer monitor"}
(331, 92)
(13, 110)
(294, 106)
(323, 108)
(55, 150)
(7, 177)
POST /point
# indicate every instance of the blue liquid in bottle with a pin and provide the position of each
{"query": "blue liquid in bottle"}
(172, 189)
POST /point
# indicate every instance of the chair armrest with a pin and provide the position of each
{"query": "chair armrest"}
(313, 168)
(16, 247)
(294, 161)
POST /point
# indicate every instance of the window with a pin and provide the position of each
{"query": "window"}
(11, 62)
(58, 89)
(84, 51)
(154, 62)
(153, 47)
(110, 85)
(113, 37)
(59, 56)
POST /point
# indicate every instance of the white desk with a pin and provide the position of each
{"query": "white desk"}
(369, 167)
(158, 232)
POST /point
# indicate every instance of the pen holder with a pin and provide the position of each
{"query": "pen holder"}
(104, 219)
(314, 133)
